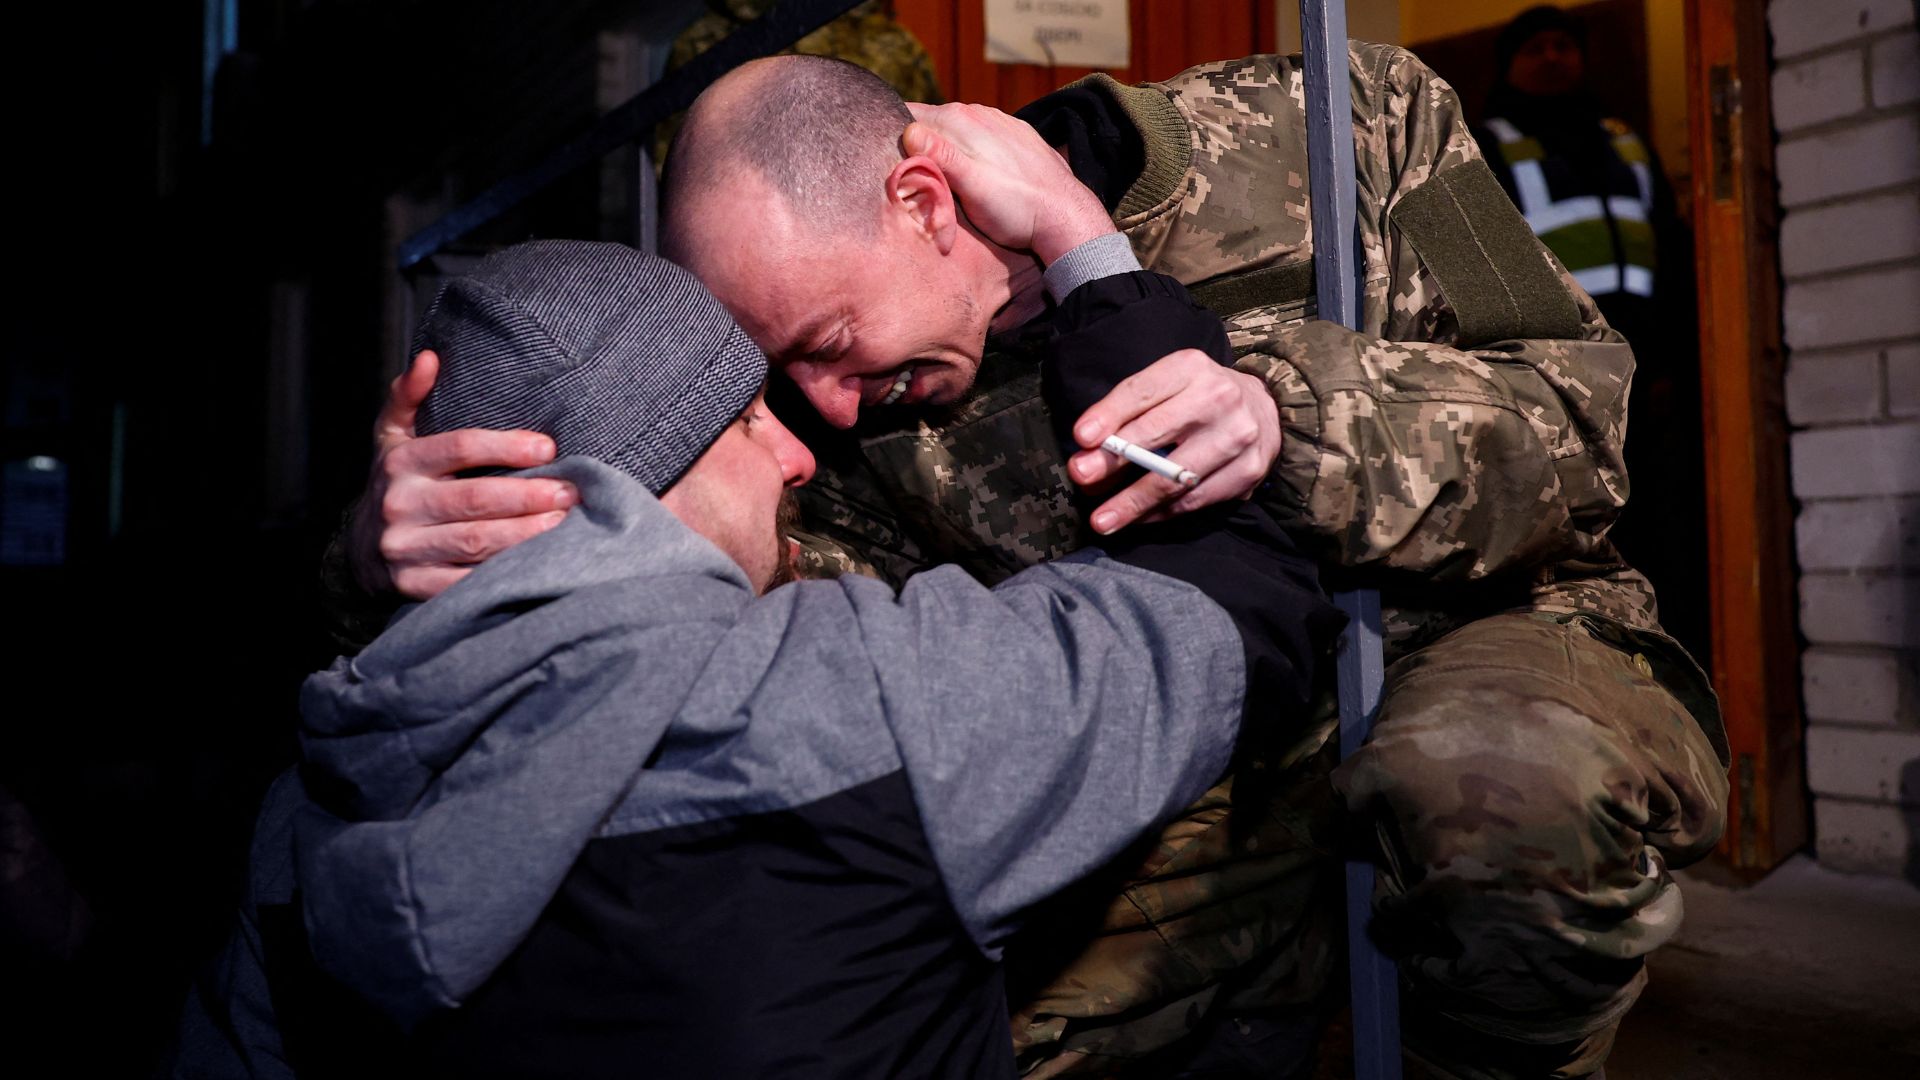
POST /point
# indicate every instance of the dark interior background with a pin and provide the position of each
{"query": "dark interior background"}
(205, 316)
(206, 313)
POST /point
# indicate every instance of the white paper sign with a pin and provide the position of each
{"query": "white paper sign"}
(1059, 33)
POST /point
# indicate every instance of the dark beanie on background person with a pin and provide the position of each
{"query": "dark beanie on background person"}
(617, 355)
(1515, 35)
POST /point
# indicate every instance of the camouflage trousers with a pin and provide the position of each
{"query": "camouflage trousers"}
(1527, 787)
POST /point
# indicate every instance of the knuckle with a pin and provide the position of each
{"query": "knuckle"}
(390, 547)
(465, 445)
(469, 544)
(393, 506)
(467, 502)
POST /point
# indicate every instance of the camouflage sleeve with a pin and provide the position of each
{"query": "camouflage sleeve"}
(1475, 424)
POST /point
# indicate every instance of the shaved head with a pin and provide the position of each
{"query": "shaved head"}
(851, 266)
(821, 133)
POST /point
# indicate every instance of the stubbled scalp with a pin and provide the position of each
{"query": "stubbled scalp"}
(822, 133)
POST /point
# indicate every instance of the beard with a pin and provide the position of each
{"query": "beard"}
(785, 518)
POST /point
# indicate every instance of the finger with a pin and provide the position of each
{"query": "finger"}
(1200, 442)
(463, 543)
(1092, 468)
(918, 138)
(409, 389)
(1226, 456)
(427, 582)
(925, 140)
(1137, 499)
(1137, 393)
(472, 448)
(921, 110)
(1227, 467)
(490, 498)
(1235, 482)
(1206, 432)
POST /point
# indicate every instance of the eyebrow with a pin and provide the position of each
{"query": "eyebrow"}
(800, 345)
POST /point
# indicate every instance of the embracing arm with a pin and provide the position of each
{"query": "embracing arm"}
(422, 525)
(1047, 723)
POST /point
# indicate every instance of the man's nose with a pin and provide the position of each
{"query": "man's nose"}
(796, 462)
(835, 398)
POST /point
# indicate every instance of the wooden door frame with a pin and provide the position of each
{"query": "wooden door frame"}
(1756, 661)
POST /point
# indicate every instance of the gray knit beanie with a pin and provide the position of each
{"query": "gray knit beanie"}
(618, 355)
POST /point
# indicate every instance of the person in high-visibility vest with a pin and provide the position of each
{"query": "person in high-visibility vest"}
(1595, 194)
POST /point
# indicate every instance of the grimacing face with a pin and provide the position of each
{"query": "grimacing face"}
(737, 493)
(898, 317)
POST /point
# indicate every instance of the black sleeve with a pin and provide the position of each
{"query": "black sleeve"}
(1105, 149)
(1113, 327)
(1247, 564)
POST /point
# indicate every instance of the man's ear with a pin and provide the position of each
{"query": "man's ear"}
(918, 189)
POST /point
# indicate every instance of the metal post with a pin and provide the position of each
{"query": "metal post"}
(1323, 36)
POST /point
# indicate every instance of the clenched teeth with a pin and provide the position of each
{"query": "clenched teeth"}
(900, 385)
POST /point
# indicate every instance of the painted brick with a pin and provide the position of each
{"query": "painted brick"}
(1867, 838)
(1903, 380)
(1802, 25)
(1837, 463)
(1829, 163)
(1853, 233)
(1859, 307)
(1823, 88)
(1880, 687)
(1896, 70)
(1859, 534)
(1882, 766)
(1833, 388)
(1840, 609)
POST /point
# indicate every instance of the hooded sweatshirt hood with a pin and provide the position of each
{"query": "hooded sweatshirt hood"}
(438, 829)
(615, 679)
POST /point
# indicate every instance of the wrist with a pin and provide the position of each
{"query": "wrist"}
(1104, 256)
(1073, 229)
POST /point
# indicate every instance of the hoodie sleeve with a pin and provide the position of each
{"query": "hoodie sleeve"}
(1049, 722)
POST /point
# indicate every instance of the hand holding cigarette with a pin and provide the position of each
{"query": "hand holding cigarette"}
(1150, 461)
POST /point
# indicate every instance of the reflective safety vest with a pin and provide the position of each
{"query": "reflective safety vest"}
(1607, 244)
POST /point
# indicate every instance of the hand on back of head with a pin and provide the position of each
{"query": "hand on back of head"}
(1018, 191)
(422, 525)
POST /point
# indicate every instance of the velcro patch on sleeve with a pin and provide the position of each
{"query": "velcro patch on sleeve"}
(1486, 259)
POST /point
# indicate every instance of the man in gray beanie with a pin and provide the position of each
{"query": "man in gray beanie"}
(597, 810)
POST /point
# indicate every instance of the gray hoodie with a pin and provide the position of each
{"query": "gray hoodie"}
(617, 675)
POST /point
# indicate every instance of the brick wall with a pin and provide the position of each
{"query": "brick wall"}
(1846, 101)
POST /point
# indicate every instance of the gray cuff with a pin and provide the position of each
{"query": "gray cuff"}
(1103, 256)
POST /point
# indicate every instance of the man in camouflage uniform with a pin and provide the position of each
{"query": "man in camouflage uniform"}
(1544, 751)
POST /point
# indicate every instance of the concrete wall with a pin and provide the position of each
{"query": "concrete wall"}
(1846, 101)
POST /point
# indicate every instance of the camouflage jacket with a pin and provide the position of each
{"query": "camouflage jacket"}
(1461, 452)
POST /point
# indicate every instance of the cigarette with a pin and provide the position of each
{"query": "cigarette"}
(1150, 461)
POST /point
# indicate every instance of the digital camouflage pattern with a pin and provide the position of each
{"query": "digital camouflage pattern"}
(1473, 482)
